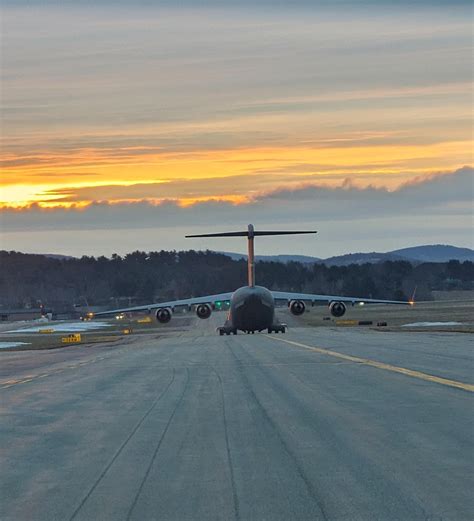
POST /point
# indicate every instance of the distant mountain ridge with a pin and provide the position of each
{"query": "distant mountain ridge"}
(414, 254)
(436, 253)
(58, 256)
(364, 258)
(304, 259)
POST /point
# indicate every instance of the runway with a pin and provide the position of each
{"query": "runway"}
(193, 426)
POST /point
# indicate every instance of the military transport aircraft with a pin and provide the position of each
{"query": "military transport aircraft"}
(251, 308)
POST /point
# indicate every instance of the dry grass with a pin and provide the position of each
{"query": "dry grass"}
(451, 307)
(37, 341)
(461, 311)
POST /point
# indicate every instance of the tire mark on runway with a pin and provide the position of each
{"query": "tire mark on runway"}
(157, 449)
(371, 461)
(299, 469)
(229, 457)
(120, 449)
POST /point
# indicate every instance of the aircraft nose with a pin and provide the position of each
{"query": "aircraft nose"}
(253, 299)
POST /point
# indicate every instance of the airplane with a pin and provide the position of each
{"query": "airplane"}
(251, 307)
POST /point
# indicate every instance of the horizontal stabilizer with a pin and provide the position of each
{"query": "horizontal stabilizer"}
(282, 232)
(250, 233)
(223, 234)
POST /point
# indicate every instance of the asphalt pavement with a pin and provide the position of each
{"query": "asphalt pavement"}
(193, 426)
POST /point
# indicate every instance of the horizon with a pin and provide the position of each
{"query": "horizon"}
(243, 253)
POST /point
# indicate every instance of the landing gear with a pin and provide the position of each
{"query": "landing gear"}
(277, 328)
(226, 330)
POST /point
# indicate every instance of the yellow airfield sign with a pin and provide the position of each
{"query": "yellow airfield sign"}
(72, 338)
(347, 322)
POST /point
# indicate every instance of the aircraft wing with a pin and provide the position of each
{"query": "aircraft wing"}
(308, 297)
(188, 302)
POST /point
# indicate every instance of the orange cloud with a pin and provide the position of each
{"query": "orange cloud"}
(246, 170)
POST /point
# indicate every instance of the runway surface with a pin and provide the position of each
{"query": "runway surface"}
(191, 425)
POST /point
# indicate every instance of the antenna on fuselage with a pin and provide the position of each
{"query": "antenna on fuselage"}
(250, 233)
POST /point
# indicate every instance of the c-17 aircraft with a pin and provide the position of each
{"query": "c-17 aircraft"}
(252, 308)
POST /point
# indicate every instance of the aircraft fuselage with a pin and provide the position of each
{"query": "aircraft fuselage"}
(252, 308)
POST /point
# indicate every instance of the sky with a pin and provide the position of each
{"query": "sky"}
(126, 125)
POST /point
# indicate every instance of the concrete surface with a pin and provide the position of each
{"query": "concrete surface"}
(193, 426)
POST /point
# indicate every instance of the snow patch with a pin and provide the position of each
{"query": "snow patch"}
(65, 327)
(432, 324)
(4, 345)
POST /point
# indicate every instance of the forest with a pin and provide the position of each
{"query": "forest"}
(65, 284)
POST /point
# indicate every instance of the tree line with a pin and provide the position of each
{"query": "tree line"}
(146, 277)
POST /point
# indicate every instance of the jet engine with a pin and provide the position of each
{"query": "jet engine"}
(337, 309)
(297, 307)
(163, 315)
(203, 311)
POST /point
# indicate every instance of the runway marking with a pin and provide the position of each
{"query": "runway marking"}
(385, 367)
(29, 378)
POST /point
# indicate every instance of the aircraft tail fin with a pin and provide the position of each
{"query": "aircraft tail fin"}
(250, 233)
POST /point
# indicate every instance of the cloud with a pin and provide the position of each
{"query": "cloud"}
(441, 195)
(285, 184)
(120, 67)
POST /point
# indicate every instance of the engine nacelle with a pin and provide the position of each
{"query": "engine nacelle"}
(163, 315)
(297, 307)
(337, 309)
(203, 311)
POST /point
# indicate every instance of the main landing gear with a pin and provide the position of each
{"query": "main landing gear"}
(278, 328)
(224, 330)
(227, 330)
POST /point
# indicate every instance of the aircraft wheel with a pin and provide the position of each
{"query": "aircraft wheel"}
(270, 330)
(221, 333)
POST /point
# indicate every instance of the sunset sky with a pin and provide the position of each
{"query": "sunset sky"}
(127, 124)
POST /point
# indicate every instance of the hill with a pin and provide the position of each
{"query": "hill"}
(363, 258)
(304, 259)
(415, 255)
(436, 253)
